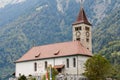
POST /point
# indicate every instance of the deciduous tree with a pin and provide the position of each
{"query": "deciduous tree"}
(97, 68)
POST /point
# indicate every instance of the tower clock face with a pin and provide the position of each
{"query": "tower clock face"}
(78, 33)
(87, 34)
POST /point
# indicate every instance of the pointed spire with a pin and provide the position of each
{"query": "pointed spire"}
(82, 17)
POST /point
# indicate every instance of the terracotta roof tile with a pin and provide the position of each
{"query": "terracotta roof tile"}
(55, 50)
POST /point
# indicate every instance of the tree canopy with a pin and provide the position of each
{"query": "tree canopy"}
(54, 73)
(97, 68)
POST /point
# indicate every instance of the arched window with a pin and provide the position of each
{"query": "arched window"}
(46, 65)
(67, 61)
(35, 66)
(74, 62)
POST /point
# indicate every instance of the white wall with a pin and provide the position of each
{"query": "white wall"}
(27, 68)
(81, 62)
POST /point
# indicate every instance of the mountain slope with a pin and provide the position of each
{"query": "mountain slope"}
(108, 30)
(13, 10)
(107, 36)
(28, 30)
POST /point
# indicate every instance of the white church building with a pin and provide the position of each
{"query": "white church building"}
(66, 57)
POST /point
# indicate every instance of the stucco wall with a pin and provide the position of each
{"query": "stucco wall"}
(27, 68)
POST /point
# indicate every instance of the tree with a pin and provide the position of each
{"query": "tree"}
(54, 73)
(30, 77)
(22, 78)
(116, 73)
(97, 68)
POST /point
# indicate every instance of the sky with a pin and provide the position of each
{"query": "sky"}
(3, 3)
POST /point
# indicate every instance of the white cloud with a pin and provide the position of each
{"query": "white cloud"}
(3, 3)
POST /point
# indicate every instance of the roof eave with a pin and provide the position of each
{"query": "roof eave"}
(75, 23)
(53, 57)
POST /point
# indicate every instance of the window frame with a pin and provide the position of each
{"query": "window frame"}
(46, 64)
(78, 28)
(74, 62)
(67, 63)
(35, 66)
(78, 39)
(87, 40)
(87, 28)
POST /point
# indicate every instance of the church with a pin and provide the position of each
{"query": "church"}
(66, 57)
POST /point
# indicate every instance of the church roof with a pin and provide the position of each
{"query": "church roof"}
(55, 50)
(81, 18)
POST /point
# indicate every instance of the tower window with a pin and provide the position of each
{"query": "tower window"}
(35, 66)
(74, 62)
(78, 39)
(46, 65)
(78, 28)
(87, 40)
(67, 61)
(87, 28)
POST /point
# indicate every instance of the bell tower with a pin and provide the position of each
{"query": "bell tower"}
(82, 30)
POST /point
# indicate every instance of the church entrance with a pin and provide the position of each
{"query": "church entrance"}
(59, 68)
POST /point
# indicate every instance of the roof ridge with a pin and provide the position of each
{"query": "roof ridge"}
(55, 43)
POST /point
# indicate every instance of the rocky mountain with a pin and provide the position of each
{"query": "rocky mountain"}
(36, 22)
(107, 36)
(3, 3)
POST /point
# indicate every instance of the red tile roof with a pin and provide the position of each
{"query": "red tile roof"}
(55, 50)
(82, 18)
